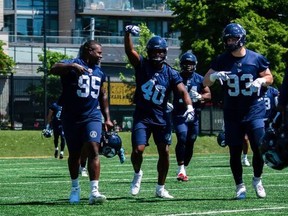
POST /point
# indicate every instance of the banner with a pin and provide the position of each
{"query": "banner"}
(121, 93)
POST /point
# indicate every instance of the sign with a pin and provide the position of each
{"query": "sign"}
(121, 93)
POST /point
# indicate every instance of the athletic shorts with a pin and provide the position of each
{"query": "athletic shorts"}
(235, 131)
(141, 133)
(78, 133)
(180, 125)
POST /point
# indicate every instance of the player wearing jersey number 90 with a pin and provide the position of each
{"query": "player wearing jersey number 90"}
(83, 92)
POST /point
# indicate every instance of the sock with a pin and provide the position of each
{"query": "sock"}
(61, 152)
(56, 149)
(94, 184)
(159, 187)
(75, 182)
(181, 169)
(244, 156)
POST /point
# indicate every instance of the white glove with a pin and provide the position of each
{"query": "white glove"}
(189, 114)
(170, 107)
(134, 30)
(256, 85)
(195, 96)
(221, 76)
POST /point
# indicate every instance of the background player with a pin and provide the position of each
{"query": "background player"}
(54, 122)
(187, 132)
(155, 80)
(242, 73)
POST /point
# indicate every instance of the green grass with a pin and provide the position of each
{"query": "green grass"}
(39, 184)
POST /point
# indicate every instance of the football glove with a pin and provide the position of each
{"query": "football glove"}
(134, 30)
(256, 85)
(221, 76)
(195, 96)
(170, 107)
(189, 114)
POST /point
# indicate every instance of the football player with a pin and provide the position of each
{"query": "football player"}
(242, 73)
(155, 80)
(187, 132)
(54, 122)
(82, 95)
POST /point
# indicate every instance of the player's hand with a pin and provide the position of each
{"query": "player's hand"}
(195, 96)
(80, 69)
(256, 85)
(220, 75)
(108, 125)
(134, 30)
(189, 114)
(170, 107)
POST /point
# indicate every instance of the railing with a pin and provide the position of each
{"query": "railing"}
(124, 5)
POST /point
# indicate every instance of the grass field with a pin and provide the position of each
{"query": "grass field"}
(40, 185)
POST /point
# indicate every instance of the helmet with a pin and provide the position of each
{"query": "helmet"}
(47, 133)
(274, 148)
(234, 30)
(111, 143)
(157, 43)
(221, 139)
(188, 57)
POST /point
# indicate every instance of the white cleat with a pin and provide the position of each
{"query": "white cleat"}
(136, 183)
(245, 162)
(163, 194)
(240, 191)
(258, 187)
(96, 198)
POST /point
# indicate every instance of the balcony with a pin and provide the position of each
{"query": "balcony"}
(154, 8)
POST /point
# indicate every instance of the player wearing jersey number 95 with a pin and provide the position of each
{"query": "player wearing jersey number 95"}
(83, 92)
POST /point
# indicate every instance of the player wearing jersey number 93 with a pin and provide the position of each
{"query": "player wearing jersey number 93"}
(244, 107)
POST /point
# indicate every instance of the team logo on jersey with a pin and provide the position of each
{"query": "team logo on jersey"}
(93, 134)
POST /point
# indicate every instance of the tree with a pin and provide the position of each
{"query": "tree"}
(53, 82)
(7, 63)
(201, 23)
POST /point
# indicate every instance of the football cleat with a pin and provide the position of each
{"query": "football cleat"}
(83, 171)
(240, 191)
(163, 194)
(258, 187)
(75, 195)
(61, 155)
(136, 183)
(245, 162)
(182, 177)
(96, 198)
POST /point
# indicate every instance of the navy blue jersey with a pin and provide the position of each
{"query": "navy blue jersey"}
(80, 95)
(153, 88)
(271, 99)
(56, 118)
(240, 102)
(193, 82)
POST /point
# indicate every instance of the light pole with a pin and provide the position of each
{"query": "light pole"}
(44, 61)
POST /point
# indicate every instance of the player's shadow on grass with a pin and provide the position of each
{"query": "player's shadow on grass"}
(157, 199)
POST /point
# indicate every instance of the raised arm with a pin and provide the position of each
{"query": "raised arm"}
(131, 53)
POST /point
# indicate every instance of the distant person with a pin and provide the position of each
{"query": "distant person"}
(187, 132)
(55, 122)
(155, 80)
(84, 101)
